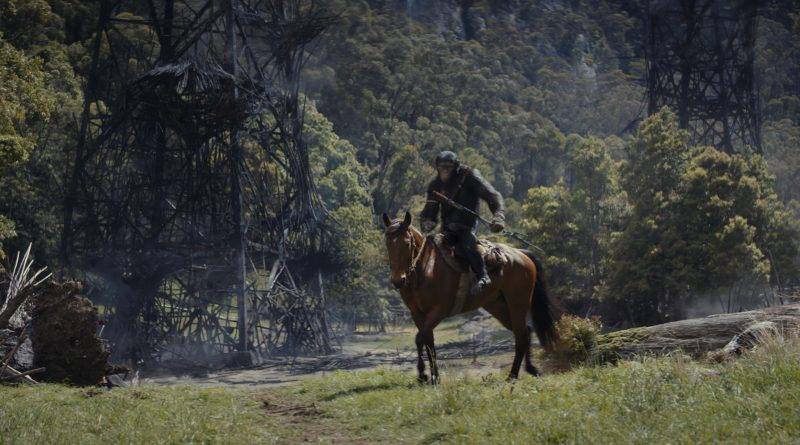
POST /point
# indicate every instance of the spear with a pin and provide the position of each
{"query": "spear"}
(507, 233)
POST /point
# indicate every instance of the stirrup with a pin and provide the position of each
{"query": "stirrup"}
(480, 285)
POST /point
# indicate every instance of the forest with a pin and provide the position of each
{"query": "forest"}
(209, 215)
(642, 219)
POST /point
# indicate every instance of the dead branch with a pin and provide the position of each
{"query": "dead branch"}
(22, 279)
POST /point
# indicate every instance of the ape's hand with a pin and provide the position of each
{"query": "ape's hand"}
(497, 225)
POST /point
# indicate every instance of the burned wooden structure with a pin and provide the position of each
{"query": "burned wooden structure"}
(700, 62)
(190, 197)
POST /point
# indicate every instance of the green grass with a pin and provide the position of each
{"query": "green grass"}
(668, 400)
(55, 414)
(755, 399)
(403, 338)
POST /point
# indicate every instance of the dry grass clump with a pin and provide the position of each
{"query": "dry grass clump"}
(577, 342)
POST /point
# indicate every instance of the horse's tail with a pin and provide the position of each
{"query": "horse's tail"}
(545, 310)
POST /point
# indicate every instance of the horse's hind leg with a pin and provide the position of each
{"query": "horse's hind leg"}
(522, 342)
(499, 310)
(519, 301)
(529, 368)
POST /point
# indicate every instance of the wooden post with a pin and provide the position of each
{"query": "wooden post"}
(322, 308)
(236, 159)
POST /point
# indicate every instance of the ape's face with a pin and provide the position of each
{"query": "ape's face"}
(445, 170)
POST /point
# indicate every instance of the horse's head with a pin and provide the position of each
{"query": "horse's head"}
(401, 242)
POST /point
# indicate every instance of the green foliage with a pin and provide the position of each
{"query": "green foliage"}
(38, 95)
(355, 245)
(781, 140)
(388, 83)
(574, 221)
(721, 206)
(6, 231)
(701, 220)
(23, 103)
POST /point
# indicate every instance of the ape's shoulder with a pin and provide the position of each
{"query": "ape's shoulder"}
(435, 184)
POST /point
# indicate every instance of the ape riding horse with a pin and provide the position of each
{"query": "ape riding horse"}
(429, 287)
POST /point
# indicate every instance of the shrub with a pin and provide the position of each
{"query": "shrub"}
(577, 339)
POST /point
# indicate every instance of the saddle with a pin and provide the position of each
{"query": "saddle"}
(494, 255)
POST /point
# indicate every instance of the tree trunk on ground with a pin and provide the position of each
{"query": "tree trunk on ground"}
(695, 336)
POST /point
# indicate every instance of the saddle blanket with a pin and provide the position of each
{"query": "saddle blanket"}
(495, 256)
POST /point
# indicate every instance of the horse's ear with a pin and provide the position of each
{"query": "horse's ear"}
(407, 219)
(386, 220)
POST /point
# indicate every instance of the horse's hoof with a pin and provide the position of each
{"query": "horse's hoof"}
(512, 378)
(533, 371)
(435, 380)
(422, 378)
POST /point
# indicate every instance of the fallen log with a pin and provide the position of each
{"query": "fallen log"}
(695, 336)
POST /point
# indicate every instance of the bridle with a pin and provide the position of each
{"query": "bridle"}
(416, 255)
(412, 269)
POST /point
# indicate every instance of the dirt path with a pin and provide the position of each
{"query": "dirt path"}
(465, 347)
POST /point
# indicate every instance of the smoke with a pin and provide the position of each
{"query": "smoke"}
(738, 298)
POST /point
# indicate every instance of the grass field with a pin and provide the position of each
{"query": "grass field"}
(755, 399)
(403, 338)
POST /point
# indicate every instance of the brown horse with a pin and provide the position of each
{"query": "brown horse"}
(429, 285)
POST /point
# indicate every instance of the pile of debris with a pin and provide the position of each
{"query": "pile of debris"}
(64, 325)
(48, 330)
(58, 342)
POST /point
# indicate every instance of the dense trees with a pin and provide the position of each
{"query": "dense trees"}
(509, 95)
(39, 92)
(637, 222)
(701, 221)
(573, 221)
(638, 240)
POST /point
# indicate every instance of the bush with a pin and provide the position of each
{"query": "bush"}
(577, 339)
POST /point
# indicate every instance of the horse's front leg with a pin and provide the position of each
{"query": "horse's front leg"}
(425, 338)
(419, 321)
(421, 377)
(430, 348)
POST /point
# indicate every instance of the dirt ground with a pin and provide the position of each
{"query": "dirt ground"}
(465, 346)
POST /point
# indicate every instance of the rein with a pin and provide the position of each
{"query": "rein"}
(412, 269)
